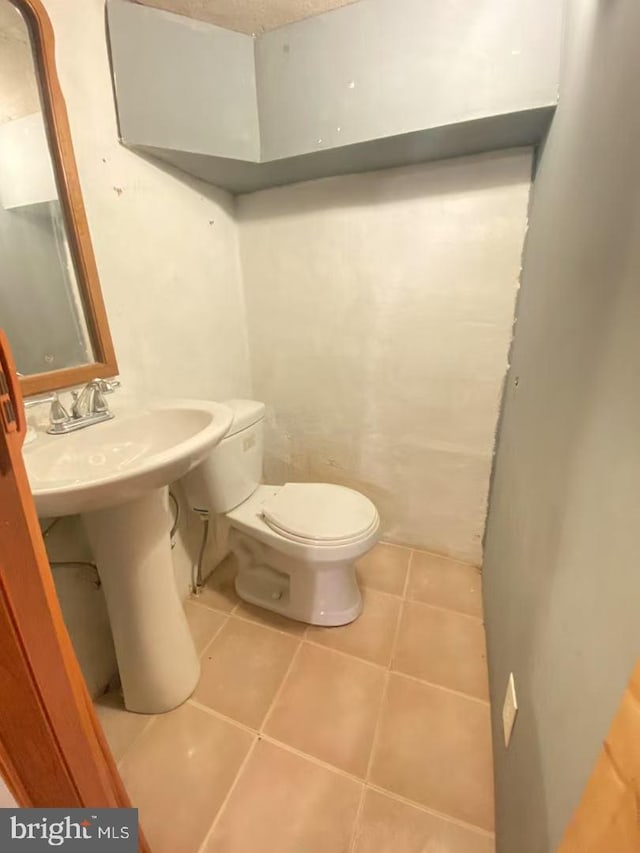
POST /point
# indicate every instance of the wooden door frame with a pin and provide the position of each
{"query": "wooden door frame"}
(53, 752)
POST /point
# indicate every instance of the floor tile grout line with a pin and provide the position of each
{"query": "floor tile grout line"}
(387, 680)
(258, 734)
(387, 669)
(378, 726)
(400, 597)
(233, 611)
(436, 554)
(331, 767)
(228, 795)
(405, 586)
(136, 739)
(355, 833)
(386, 593)
(366, 782)
(304, 633)
(412, 550)
(440, 556)
(206, 648)
(237, 615)
(276, 742)
(396, 633)
(194, 602)
(384, 667)
(451, 690)
(312, 758)
(246, 619)
(199, 603)
(430, 553)
(223, 717)
(439, 607)
(395, 671)
(378, 591)
(280, 689)
(385, 689)
(392, 671)
(480, 830)
(394, 545)
(302, 638)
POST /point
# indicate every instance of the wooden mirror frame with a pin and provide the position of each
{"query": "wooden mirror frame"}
(70, 195)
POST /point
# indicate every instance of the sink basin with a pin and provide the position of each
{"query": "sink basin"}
(115, 474)
(119, 460)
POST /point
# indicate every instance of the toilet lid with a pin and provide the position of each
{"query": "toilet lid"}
(319, 511)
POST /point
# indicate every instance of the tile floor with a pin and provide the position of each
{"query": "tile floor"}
(369, 738)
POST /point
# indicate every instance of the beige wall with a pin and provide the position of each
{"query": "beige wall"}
(167, 254)
(561, 577)
(380, 310)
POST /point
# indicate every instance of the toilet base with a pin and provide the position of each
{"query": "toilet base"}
(318, 594)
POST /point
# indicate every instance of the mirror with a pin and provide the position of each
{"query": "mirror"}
(51, 306)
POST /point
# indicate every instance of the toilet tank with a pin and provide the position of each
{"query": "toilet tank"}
(233, 470)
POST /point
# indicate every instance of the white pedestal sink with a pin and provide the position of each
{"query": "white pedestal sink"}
(116, 474)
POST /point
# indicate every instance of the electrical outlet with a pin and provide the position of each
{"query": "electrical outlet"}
(509, 709)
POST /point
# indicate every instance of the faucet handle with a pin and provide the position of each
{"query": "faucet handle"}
(57, 413)
(100, 387)
(98, 403)
(107, 386)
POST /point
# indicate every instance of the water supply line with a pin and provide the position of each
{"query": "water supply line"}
(176, 519)
(196, 573)
(196, 570)
(72, 564)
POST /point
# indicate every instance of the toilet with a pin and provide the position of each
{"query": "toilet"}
(295, 544)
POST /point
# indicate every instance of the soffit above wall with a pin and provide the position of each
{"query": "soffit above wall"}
(247, 16)
(370, 85)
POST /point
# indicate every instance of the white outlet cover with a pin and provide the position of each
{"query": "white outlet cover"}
(509, 709)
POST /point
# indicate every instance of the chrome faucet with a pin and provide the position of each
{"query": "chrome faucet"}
(91, 401)
(89, 407)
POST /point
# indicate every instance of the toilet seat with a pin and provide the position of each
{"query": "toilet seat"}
(248, 519)
(320, 514)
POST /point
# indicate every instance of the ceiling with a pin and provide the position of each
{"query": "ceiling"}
(247, 16)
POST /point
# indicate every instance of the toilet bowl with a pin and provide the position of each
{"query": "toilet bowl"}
(296, 544)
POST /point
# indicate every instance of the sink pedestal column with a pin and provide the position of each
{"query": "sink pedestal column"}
(159, 667)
